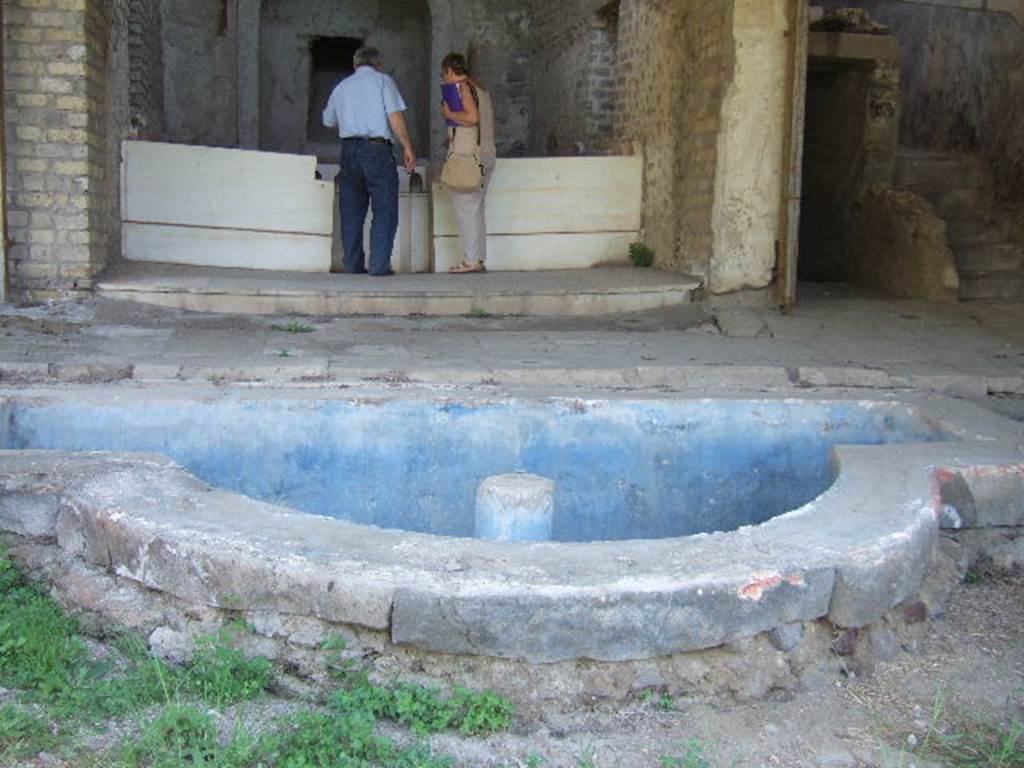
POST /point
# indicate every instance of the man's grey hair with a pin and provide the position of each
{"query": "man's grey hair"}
(367, 56)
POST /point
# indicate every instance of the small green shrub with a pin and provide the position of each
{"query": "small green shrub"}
(640, 254)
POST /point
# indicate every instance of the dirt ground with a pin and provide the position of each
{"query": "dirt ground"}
(968, 665)
(964, 673)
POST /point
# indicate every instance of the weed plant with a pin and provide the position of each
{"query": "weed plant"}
(221, 675)
(641, 254)
(961, 741)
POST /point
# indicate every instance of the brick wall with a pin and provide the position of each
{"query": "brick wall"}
(573, 84)
(499, 36)
(66, 91)
(50, 94)
(675, 61)
(646, 73)
(962, 80)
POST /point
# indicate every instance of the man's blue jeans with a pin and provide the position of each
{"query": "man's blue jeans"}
(368, 177)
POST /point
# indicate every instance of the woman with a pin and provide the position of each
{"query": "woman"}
(473, 133)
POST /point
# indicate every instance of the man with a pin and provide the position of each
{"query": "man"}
(367, 110)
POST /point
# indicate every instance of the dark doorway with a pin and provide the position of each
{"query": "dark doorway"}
(330, 61)
(837, 97)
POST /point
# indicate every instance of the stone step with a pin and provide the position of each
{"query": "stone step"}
(985, 257)
(933, 174)
(1004, 286)
(974, 229)
(576, 293)
(961, 203)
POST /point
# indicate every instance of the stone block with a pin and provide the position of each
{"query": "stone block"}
(605, 626)
(984, 496)
(28, 514)
(871, 581)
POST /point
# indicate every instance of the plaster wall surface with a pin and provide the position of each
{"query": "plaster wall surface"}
(748, 174)
(497, 37)
(963, 81)
(287, 30)
(200, 73)
(146, 70)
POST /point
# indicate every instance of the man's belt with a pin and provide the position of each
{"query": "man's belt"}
(374, 139)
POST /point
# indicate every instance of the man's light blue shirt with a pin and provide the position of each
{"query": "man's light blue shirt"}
(360, 104)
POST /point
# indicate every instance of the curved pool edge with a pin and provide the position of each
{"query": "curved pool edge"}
(849, 556)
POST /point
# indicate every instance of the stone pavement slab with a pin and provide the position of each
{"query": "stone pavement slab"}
(835, 337)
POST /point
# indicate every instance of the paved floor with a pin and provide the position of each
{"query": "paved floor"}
(835, 337)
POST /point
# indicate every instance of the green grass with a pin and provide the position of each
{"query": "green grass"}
(349, 740)
(182, 735)
(22, 734)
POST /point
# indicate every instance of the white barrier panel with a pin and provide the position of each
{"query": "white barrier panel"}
(551, 213)
(224, 207)
(238, 248)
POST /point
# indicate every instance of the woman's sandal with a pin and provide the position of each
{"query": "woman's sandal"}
(465, 268)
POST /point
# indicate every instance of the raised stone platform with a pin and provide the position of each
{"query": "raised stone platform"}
(600, 291)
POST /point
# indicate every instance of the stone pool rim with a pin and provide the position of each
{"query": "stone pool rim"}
(849, 556)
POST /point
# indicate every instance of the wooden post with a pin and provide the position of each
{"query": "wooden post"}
(796, 105)
(3, 169)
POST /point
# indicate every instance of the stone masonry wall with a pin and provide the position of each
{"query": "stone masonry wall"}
(573, 86)
(963, 81)
(218, 93)
(675, 59)
(200, 74)
(54, 150)
(497, 37)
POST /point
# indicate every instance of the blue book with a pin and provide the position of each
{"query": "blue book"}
(452, 97)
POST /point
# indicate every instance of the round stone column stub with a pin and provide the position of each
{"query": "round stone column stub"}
(515, 507)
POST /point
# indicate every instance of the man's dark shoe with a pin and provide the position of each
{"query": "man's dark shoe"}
(382, 274)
